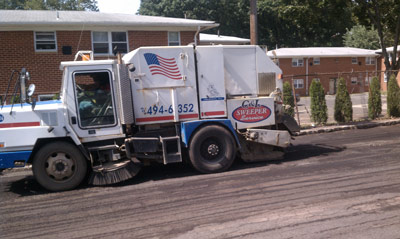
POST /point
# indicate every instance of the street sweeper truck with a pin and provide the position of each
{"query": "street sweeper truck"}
(204, 105)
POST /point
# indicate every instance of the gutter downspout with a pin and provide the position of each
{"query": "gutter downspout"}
(195, 35)
(306, 76)
(376, 70)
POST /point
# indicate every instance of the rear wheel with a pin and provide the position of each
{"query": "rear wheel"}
(59, 166)
(212, 149)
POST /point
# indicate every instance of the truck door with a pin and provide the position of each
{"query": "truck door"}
(91, 102)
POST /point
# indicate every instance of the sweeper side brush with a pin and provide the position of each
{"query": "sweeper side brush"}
(111, 173)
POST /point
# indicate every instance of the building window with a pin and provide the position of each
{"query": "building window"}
(298, 83)
(370, 61)
(354, 80)
(316, 61)
(104, 43)
(45, 41)
(46, 97)
(368, 79)
(385, 77)
(297, 62)
(174, 39)
(354, 60)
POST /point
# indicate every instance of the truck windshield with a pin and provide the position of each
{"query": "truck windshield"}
(94, 99)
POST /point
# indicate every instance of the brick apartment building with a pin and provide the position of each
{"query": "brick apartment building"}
(327, 64)
(383, 77)
(212, 39)
(40, 40)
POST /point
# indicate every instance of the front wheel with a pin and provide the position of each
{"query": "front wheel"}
(212, 149)
(59, 166)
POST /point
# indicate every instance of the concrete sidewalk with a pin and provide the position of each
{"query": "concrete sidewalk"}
(360, 108)
(360, 115)
(352, 125)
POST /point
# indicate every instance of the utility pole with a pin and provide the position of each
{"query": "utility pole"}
(253, 23)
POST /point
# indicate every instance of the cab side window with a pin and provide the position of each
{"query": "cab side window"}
(94, 99)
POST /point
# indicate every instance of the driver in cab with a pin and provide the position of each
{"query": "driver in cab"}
(94, 93)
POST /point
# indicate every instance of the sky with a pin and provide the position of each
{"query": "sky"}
(119, 6)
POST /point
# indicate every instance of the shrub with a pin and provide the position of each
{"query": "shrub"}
(15, 99)
(319, 110)
(393, 97)
(56, 96)
(288, 99)
(374, 99)
(343, 106)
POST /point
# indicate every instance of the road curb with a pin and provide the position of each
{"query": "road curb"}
(357, 125)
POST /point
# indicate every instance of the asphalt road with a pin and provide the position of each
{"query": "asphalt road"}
(337, 185)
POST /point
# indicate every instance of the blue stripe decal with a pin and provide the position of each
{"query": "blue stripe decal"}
(47, 102)
(212, 98)
(7, 159)
(188, 127)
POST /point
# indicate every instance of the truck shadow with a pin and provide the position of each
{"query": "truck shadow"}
(304, 151)
(293, 153)
(28, 186)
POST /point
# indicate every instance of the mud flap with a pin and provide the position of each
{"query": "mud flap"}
(290, 123)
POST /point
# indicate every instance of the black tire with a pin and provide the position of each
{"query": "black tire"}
(59, 166)
(212, 149)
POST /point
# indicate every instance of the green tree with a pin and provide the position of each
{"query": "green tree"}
(232, 15)
(12, 4)
(384, 15)
(374, 99)
(80, 5)
(393, 98)
(290, 23)
(288, 99)
(319, 110)
(343, 105)
(303, 23)
(361, 37)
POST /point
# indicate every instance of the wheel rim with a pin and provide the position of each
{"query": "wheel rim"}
(211, 150)
(60, 166)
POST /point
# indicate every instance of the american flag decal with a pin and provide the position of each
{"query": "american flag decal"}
(163, 66)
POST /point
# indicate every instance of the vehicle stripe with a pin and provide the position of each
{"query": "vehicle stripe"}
(20, 124)
(164, 118)
(159, 118)
(213, 113)
(47, 102)
(189, 116)
(8, 159)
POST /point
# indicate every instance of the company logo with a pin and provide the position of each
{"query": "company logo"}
(251, 112)
(163, 66)
(1, 118)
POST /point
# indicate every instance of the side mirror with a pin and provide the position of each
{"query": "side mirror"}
(131, 67)
(31, 90)
(115, 50)
(27, 76)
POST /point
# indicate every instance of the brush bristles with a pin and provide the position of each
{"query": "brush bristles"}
(114, 176)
